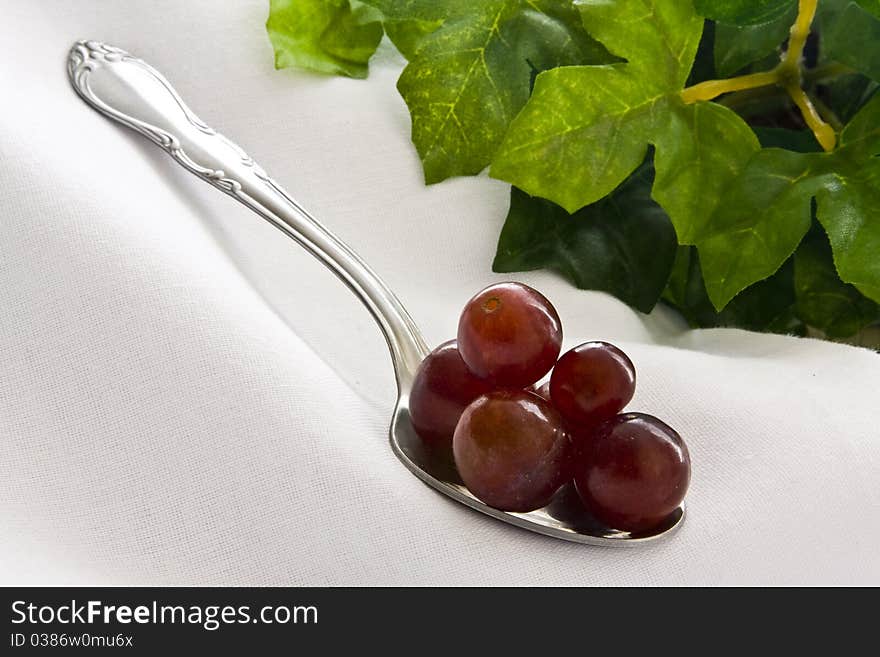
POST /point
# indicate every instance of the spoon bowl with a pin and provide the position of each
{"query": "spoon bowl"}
(132, 92)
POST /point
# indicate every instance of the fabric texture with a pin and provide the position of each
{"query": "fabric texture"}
(189, 398)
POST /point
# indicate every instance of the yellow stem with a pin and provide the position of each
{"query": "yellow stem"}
(825, 134)
(799, 32)
(787, 75)
(714, 88)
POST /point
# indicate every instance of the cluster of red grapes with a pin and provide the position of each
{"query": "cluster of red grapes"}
(515, 442)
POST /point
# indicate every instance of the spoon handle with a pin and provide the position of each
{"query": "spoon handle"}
(132, 92)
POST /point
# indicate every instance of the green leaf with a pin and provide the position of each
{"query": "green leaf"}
(766, 211)
(700, 148)
(586, 128)
(871, 5)
(761, 219)
(327, 36)
(744, 12)
(823, 300)
(423, 10)
(656, 38)
(624, 245)
(408, 23)
(467, 79)
(853, 38)
(850, 93)
(409, 35)
(802, 141)
(765, 306)
(364, 13)
(849, 202)
(737, 46)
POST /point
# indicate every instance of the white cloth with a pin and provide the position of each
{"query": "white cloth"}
(188, 398)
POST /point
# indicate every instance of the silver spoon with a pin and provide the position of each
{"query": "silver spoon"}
(132, 92)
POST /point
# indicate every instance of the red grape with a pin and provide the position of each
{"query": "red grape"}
(442, 389)
(509, 334)
(511, 450)
(592, 383)
(633, 472)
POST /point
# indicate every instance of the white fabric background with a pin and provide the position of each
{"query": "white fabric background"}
(187, 398)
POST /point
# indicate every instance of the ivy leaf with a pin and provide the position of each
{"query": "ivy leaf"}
(409, 35)
(768, 305)
(849, 202)
(700, 148)
(744, 12)
(802, 141)
(586, 128)
(850, 93)
(759, 223)
(871, 5)
(624, 244)
(407, 24)
(327, 36)
(823, 300)
(766, 211)
(469, 78)
(852, 38)
(422, 10)
(737, 46)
